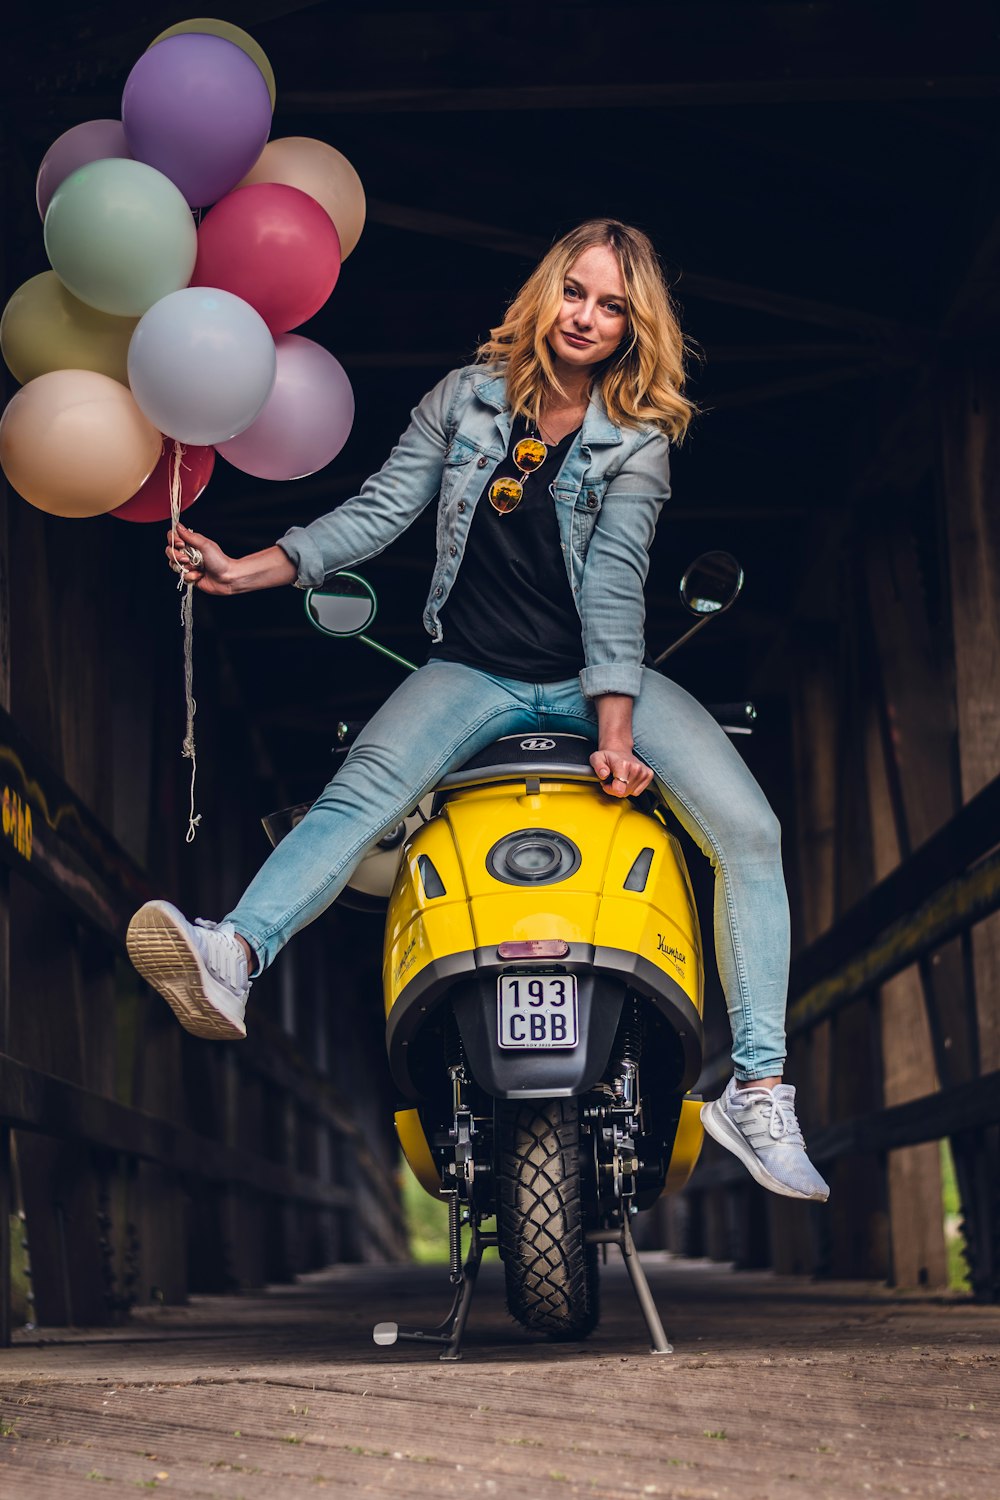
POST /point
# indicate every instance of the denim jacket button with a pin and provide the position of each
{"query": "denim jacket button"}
(481, 463)
(461, 506)
(438, 592)
(591, 500)
(453, 550)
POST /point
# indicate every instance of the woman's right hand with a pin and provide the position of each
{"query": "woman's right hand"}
(214, 573)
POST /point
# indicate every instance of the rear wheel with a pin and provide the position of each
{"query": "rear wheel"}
(552, 1278)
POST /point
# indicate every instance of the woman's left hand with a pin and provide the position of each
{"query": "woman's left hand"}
(622, 774)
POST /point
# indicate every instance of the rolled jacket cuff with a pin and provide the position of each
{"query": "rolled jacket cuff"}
(611, 679)
(298, 545)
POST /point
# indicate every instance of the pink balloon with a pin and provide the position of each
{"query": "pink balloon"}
(94, 140)
(275, 247)
(305, 421)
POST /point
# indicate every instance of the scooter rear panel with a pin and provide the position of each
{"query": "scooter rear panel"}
(628, 892)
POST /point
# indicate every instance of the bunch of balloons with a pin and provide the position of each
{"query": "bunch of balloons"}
(159, 324)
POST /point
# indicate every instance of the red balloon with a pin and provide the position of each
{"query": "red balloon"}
(151, 501)
(275, 247)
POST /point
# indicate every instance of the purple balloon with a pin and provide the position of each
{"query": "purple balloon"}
(197, 108)
(94, 140)
(304, 422)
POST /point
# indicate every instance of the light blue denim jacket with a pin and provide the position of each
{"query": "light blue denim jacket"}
(608, 494)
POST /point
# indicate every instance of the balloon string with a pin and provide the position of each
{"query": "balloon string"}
(186, 590)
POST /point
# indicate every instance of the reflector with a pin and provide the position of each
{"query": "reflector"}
(534, 948)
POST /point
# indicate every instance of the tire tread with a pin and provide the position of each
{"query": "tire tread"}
(552, 1280)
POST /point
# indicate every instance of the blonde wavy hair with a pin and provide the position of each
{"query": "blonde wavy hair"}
(643, 381)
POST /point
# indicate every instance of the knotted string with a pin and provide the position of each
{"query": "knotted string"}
(187, 625)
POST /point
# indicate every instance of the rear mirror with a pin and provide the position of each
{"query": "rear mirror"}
(711, 584)
(345, 606)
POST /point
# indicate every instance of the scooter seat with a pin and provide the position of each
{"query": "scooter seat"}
(533, 755)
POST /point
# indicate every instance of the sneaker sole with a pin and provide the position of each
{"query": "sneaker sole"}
(724, 1131)
(166, 959)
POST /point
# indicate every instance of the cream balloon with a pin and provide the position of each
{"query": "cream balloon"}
(322, 172)
(74, 443)
(206, 26)
(44, 327)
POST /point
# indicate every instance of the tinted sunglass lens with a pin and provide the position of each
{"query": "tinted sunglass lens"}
(505, 494)
(529, 454)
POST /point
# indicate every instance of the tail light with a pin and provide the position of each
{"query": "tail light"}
(534, 948)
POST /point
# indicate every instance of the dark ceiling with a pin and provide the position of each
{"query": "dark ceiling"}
(820, 179)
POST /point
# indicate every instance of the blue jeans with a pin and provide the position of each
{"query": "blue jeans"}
(445, 713)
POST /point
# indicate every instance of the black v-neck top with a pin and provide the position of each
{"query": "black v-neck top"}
(510, 610)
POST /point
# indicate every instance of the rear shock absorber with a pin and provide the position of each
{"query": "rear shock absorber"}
(627, 1051)
(628, 1042)
(454, 1051)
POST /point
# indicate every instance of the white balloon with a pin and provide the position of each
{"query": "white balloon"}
(201, 365)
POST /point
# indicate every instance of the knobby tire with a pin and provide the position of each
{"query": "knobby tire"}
(552, 1274)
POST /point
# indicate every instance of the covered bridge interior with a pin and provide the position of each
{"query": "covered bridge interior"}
(821, 182)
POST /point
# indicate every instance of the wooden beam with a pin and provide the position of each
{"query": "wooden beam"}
(53, 839)
(510, 241)
(921, 1010)
(916, 727)
(973, 832)
(63, 108)
(952, 910)
(36, 1101)
(796, 385)
(679, 93)
(883, 943)
(787, 353)
(715, 51)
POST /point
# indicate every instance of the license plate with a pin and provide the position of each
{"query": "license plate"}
(537, 1010)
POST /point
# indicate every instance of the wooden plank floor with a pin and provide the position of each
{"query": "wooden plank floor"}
(778, 1388)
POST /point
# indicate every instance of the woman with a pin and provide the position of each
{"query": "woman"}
(548, 459)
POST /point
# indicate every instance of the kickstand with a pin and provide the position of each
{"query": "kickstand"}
(659, 1344)
(449, 1332)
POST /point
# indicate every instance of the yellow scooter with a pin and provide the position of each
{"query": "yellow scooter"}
(543, 983)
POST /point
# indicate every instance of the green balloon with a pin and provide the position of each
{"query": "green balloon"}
(120, 236)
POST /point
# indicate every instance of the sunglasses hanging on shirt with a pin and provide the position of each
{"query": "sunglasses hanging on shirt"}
(506, 493)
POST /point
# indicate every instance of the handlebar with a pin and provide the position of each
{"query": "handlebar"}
(735, 718)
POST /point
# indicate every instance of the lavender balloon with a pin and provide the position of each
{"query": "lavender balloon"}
(305, 421)
(94, 140)
(197, 108)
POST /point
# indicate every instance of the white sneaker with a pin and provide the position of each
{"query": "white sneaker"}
(759, 1126)
(199, 969)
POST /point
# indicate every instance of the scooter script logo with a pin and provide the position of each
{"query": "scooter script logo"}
(674, 954)
(538, 744)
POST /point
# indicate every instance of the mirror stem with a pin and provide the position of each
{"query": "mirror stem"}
(401, 660)
(685, 637)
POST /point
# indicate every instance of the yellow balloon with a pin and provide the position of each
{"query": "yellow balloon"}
(44, 327)
(74, 443)
(322, 172)
(205, 26)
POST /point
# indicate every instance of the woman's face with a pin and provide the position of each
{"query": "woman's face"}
(592, 321)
